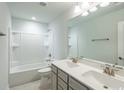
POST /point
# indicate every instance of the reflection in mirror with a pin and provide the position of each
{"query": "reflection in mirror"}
(96, 35)
(73, 46)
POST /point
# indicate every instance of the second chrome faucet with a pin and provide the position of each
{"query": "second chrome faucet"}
(110, 69)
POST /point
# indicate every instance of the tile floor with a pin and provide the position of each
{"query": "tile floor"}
(28, 86)
(44, 84)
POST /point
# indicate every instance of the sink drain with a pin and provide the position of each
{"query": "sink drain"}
(105, 87)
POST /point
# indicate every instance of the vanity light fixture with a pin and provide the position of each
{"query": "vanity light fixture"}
(104, 4)
(85, 13)
(85, 5)
(33, 18)
(77, 9)
(93, 9)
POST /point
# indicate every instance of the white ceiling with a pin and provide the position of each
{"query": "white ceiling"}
(43, 14)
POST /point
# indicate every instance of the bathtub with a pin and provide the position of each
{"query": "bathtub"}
(25, 73)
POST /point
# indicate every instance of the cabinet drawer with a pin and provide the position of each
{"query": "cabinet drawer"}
(62, 84)
(62, 75)
(54, 69)
(76, 85)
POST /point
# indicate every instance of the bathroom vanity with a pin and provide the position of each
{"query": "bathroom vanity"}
(67, 75)
(63, 81)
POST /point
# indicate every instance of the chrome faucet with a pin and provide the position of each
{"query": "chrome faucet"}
(107, 70)
(111, 69)
(75, 60)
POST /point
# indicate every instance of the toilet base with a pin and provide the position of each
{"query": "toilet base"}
(45, 82)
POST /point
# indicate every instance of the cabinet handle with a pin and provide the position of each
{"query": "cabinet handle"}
(121, 58)
(2, 34)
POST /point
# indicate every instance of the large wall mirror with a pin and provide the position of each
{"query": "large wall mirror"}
(99, 35)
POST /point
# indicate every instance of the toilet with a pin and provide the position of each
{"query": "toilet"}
(45, 82)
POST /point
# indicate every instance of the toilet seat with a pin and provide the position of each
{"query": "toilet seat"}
(48, 69)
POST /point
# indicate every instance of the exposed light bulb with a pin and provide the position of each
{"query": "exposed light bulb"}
(77, 9)
(93, 9)
(33, 18)
(85, 13)
(104, 4)
(85, 5)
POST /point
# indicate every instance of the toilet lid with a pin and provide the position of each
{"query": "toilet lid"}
(44, 70)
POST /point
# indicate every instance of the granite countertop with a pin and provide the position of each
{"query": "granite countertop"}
(77, 70)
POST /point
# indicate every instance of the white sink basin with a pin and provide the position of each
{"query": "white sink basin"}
(102, 81)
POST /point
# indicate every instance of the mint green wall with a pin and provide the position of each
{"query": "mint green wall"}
(101, 27)
(73, 49)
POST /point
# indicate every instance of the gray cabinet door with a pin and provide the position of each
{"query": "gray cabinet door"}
(76, 85)
(62, 75)
(70, 88)
(54, 81)
(60, 87)
(63, 81)
(62, 84)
